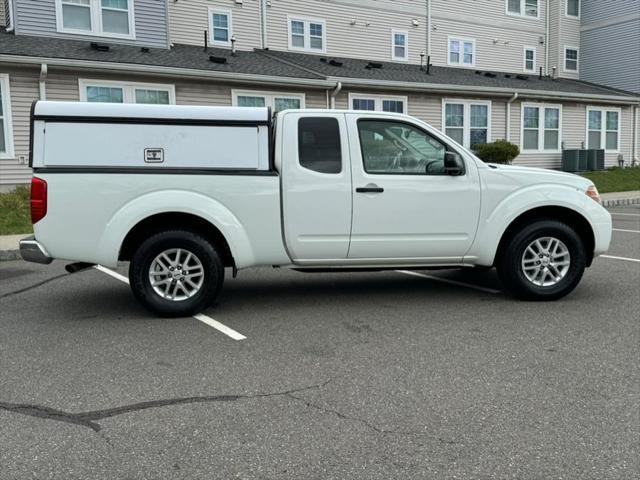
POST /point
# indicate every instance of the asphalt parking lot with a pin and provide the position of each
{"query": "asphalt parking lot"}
(369, 375)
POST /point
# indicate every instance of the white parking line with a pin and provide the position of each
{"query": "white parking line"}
(626, 214)
(627, 231)
(219, 326)
(621, 258)
(111, 273)
(452, 282)
(203, 318)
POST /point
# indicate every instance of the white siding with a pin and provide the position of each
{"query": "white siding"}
(38, 17)
(189, 20)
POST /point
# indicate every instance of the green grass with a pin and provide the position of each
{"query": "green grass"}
(615, 179)
(15, 212)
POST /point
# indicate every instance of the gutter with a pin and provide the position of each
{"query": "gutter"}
(156, 70)
(509, 102)
(42, 85)
(334, 94)
(428, 28)
(484, 91)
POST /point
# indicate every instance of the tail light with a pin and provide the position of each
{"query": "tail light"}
(38, 199)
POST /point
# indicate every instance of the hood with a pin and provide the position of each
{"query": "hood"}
(531, 175)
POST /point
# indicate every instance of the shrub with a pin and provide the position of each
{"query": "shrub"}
(499, 151)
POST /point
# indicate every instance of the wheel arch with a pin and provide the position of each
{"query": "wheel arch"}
(552, 212)
(180, 221)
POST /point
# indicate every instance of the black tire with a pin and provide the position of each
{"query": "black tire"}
(192, 242)
(509, 261)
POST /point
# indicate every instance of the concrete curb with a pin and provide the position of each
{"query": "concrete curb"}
(620, 202)
(10, 247)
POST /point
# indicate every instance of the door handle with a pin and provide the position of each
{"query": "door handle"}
(370, 189)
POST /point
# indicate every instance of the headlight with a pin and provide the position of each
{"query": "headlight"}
(592, 192)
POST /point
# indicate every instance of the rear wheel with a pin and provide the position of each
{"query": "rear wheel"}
(176, 273)
(543, 261)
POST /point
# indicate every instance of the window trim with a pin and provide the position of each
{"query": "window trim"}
(462, 40)
(307, 33)
(535, 59)
(541, 128)
(95, 12)
(269, 96)
(603, 127)
(222, 11)
(523, 10)
(128, 88)
(466, 122)
(564, 62)
(378, 99)
(393, 45)
(566, 10)
(9, 152)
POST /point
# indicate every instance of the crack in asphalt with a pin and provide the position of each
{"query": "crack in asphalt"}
(31, 287)
(89, 419)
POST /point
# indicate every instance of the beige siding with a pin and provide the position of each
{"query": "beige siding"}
(23, 86)
(569, 36)
(189, 19)
(369, 38)
(500, 38)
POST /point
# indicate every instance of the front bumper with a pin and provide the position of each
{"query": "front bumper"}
(32, 251)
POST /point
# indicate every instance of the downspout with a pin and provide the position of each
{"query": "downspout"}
(43, 78)
(11, 26)
(509, 102)
(263, 24)
(334, 94)
(547, 29)
(428, 28)
(636, 134)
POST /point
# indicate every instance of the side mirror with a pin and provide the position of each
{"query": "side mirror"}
(453, 164)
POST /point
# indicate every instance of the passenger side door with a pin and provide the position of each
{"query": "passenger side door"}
(406, 207)
(316, 187)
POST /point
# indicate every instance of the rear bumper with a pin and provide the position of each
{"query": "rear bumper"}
(32, 251)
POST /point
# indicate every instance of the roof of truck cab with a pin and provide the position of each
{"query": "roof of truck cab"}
(47, 109)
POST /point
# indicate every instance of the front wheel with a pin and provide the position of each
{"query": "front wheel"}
(543, 261)
(176, 273)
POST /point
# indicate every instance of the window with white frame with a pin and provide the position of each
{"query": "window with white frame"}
(307, 34)
(571, 59)
(109, 18)
(6, 127)
(573, 8)
(462, 51)
(277, 101)
(523, 8)
(603, 128)
(467, 121)
(399, 45)
(529, 59)
(378, 103)
(102, 91)
(541, 128)
(220, 26)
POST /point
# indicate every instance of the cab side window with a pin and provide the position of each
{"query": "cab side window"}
(390, 147)
(319, 147)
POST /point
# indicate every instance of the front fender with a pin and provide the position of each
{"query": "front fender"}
(497, 216)
(147, 205)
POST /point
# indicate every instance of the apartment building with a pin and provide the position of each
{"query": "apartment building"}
(480, 70)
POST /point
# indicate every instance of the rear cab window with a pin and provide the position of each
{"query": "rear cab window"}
(319, 147)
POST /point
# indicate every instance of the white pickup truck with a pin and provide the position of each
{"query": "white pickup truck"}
(182, 192)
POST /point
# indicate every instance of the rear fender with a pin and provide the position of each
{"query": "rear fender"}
(177, 201)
